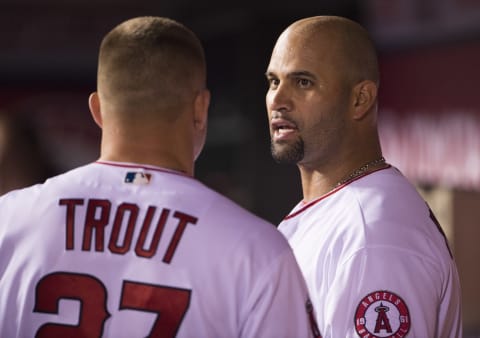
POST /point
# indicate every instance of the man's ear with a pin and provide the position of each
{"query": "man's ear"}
(94, 105)
(202, 102)
(365, 97)
(200, 119)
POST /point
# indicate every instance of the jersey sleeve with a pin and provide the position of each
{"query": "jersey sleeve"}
(279, 305)
(384, 291)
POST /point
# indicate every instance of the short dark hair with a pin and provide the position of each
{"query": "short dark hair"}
(151, 62)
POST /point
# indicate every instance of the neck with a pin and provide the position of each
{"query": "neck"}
(366, 168)
(164, 162)
(164, 148)
(321, 180)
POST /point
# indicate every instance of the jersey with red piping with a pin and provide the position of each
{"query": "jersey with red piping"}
(375, 261)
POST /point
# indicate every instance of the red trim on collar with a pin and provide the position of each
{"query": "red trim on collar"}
(143, 166)
(309, 204)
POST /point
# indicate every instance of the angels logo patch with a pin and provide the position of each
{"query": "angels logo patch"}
(382, 314)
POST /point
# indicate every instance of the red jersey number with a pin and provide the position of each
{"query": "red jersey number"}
(169, 303)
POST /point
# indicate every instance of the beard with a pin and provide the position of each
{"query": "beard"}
(288, 153)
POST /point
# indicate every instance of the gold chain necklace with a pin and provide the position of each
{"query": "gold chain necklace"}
(360, 171)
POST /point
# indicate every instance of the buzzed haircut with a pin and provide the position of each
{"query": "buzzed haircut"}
(150, 63)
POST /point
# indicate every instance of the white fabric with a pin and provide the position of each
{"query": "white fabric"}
(375, 236)
(230, 275)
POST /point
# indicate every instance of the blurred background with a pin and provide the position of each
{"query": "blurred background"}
(429, 99)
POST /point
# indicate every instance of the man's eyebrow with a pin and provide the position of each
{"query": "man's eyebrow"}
(302, 73)
(269, 74)
(299, 73)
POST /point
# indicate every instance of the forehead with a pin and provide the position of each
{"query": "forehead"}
(295, 51)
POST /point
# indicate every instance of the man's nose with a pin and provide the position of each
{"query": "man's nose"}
(279, 98)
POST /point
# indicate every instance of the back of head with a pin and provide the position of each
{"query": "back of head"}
(149, 65)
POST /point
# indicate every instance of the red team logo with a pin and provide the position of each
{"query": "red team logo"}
(382, 314)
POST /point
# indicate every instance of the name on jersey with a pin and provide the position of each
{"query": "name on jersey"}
(98, 214)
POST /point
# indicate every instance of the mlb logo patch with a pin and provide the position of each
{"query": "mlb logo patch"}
(137, 177)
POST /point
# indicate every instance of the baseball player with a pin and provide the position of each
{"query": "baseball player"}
(373, 255)
(132, 245)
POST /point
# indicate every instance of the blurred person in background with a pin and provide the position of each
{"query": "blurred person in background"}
(22, 159)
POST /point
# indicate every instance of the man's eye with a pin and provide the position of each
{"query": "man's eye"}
(304, 83)
(273, 82)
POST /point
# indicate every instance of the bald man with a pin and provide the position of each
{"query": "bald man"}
(132, 245)
(373, 255)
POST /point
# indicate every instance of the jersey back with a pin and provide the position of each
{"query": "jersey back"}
(122, 250)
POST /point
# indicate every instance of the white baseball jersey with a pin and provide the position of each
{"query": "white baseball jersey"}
(123, 250)
(375, 261)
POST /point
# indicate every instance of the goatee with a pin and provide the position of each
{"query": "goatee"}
(287, 153)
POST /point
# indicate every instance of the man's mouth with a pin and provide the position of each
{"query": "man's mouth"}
(282, 128)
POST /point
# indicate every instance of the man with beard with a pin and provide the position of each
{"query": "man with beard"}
(373, 255)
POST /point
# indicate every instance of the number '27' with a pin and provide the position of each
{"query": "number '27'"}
(169, 303)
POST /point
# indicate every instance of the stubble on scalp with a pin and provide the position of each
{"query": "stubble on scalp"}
(149, 65)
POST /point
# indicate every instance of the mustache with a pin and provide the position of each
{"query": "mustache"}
(283, 116)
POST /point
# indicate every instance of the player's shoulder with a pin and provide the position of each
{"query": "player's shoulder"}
(7, 198)
(234, 226)
(383, 181)
(232, 214)
(386, 191)
(212, 208)
(386, 195)
(394, 214)
(68, 180)
(21, 194)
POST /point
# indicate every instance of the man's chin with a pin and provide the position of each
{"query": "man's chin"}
(288, 152)
(291, 155)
